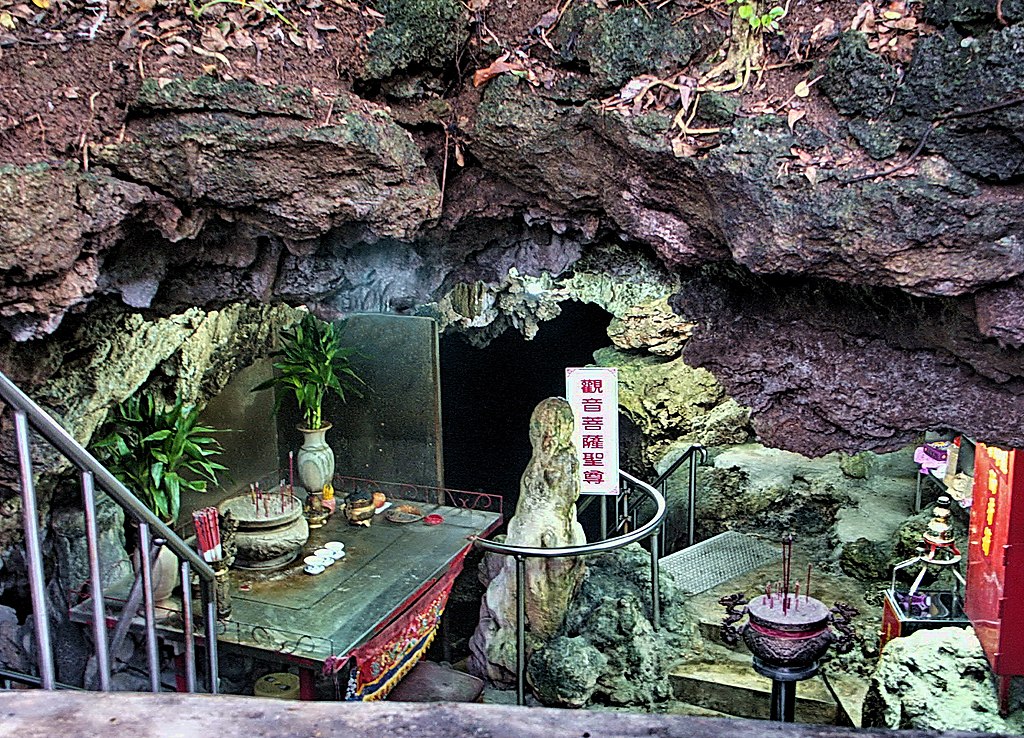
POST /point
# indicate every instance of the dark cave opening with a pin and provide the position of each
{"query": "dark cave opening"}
(487, 396)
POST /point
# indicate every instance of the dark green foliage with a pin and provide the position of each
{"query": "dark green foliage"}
(312, 363)
(159, 451)
(417, 35)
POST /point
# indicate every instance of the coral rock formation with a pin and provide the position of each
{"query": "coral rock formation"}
(935, 680)
(545, 518)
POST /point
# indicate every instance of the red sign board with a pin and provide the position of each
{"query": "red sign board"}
(995, 570)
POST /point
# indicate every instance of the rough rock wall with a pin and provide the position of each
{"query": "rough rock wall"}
(840, 367)
(195, 154)
(231, 190)
(86, 371)
(673, 403)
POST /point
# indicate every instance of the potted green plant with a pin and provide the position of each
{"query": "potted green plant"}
(157, 451)
(312, 363)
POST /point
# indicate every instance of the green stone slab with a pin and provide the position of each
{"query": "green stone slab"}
(312, 617)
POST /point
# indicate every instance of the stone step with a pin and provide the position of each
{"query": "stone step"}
(710, 629)
(675, 707)
(736, 689)
(850, 692)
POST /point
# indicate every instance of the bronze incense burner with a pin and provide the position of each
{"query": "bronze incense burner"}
(787, 632)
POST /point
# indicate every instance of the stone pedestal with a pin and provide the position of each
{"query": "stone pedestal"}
(545, 518)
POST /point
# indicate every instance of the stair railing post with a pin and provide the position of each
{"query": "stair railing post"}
(655, 581)
(188, 626)
(99, 613)
(34, 554)
(520, 630)
(691, 498)
(152, 655)
(210, 606)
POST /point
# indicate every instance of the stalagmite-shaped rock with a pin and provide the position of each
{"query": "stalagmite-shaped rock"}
(545, 517)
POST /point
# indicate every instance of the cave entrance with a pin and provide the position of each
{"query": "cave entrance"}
(488, 394)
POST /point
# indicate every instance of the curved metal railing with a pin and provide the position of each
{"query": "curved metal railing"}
(691, 455)
(650, 530)
(27, 412)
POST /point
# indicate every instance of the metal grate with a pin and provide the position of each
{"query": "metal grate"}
(717, 560)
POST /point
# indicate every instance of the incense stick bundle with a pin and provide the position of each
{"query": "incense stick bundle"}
(207, 525)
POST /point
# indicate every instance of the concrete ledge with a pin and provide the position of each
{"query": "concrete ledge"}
(37, 714)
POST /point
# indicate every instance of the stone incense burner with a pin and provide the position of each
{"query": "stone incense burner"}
(271, 532)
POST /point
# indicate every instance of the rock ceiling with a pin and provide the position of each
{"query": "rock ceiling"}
(852, 271)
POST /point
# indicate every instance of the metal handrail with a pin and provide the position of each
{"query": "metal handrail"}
(683, 458)
(53, 432)
(26, 413)
(691, 488)
(610, 544)
(521, 553)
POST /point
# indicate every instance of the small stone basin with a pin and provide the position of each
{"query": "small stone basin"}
(271, 533)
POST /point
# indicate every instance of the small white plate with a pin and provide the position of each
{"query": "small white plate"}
(382, 508)
(318, 561)
(335, 545)
(329, 553)
(313, 569)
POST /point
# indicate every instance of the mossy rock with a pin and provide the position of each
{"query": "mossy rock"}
(880, 140)
(855, 79)
(944, 12)
(856, 466)
(207, 93)
(417, 35)
(717, 109)
(948, 73)
(565, 671)
(617, 45)
(867, 560)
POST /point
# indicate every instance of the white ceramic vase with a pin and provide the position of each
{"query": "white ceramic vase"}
(165, 578)
(315, 459)
(164, 573)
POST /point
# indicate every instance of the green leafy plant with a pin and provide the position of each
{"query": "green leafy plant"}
(749, 11)
(158, 451)
(312, 363)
